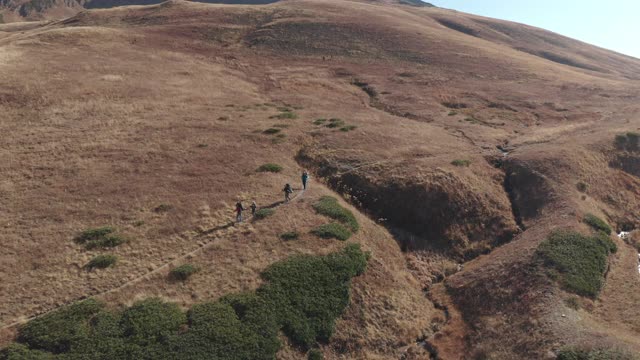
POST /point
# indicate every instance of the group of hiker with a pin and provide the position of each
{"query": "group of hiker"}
(288, 190)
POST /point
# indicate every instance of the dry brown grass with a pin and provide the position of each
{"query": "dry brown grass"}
(126, 109)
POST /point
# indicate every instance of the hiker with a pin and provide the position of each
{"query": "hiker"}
(287, 192)
(239, 210)
(253, 208)
(305, 178)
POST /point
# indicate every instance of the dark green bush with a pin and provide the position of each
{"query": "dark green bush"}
(332, 231)
(309, 293)
(315, 354)
(594, 354)
(302, 296)
(290, 235)
(59, 330)
(102, 237)
(151, 320)
(288, 114)
(329, 206)
(183, 272)
(271, 131)
(580, 261)
(270, 167)
(597, 224)
(263, 213)
(94, 234)
(582, 187)
(102, 262)
(348, 128)
(335, 123)
(461, 163)
(629, 141)
(319, 121)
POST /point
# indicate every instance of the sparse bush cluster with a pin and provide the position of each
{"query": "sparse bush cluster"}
(332, 231)
(597, 224)
(270, 167)
(102, 262)
(290, 235)
(183, 272)
(263, 213)
(102, 237)
(595, 354)
(302, 297)
(579, 262)
(329, 206)
(461, 162)
(629, 141)
(335, 123)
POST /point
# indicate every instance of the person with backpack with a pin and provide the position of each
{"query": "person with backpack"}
(287, 192)
(305, 178)
(239, 210)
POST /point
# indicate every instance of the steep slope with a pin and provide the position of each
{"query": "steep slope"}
(456, 134)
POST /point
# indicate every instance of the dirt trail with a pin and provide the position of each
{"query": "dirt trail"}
(201, 246)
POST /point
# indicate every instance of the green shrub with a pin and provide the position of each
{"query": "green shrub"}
(330, 207)
(315, 354)
(335, 123)
(580, 261)
(302, 296)
(629, 141)
(271, 131)
(461, 163)
(183, 272)
(270, 167)
(319, 121)
(332, 231)
(348, 128)
(263, 213)
(57, 331)
(582, 187)
(309, 293)
(597, 224)
(290, 235)
(453, 113)
(109, 241)
(288, 114)
(94, 234)
(150, 321)
(594, 354)
(102, 262)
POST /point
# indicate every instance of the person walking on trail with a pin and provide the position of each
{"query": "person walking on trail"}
(239, 210)
(253, 208)
(305, 178)
(287, 192)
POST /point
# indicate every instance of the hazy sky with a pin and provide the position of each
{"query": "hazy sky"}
(612, 24)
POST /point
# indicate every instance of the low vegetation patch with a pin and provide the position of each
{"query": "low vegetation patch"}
(319, 121)
(290, 235)
(335, 123)
(330, 207)
(102, 262)
(102, 237)
(595, 354)
(348, 128)
(315, 354)
(270, 167)
(285, 115)
(332, 231)
(271, 131)
(301, 296)
(582, 186)
(629, 141)
(461, 163)
(163, 208)
(263, 213)
(183, 272)
(454, 105)
(597, 224)
(578, 262)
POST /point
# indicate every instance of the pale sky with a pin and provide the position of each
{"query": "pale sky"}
(612, 24)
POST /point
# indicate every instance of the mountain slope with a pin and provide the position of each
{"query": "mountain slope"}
(461, 141)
